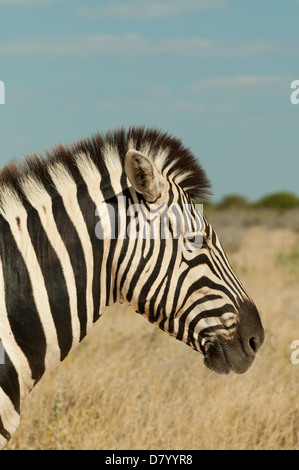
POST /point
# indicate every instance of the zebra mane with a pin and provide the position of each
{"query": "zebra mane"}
(105, 153)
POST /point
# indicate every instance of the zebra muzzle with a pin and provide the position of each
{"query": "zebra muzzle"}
(236, 354)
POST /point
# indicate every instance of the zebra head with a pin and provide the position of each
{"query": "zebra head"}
(183, 281)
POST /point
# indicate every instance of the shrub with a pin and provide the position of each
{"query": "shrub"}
(233, 201)
(280, 200)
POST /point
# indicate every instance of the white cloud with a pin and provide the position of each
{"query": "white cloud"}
(145, 9)
(129, 44)
(187, 106)
(26, 2)
(159, 92)
(165, 106)
(76, 45)
(241, 82)
(207, 47)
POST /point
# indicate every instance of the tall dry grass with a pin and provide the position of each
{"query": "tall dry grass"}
(130, 386)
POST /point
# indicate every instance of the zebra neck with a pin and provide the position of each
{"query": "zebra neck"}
(57, 277)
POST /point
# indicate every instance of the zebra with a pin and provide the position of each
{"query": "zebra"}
(60, 266)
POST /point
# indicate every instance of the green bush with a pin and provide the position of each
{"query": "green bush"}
(233, 201)
(280, 200)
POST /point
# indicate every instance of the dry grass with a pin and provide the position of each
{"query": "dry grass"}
(130, 386)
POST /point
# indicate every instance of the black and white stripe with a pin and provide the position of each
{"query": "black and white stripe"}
(57, 276)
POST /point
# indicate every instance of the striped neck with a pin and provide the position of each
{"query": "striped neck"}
(65, 270)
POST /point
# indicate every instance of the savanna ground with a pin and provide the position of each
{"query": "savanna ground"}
(131, 386)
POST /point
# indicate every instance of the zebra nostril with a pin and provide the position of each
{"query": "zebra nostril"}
(253, 344)
(250, 328)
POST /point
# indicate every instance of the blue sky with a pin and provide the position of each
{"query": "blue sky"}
(215, 73)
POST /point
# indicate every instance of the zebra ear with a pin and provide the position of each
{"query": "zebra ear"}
(144, 176)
